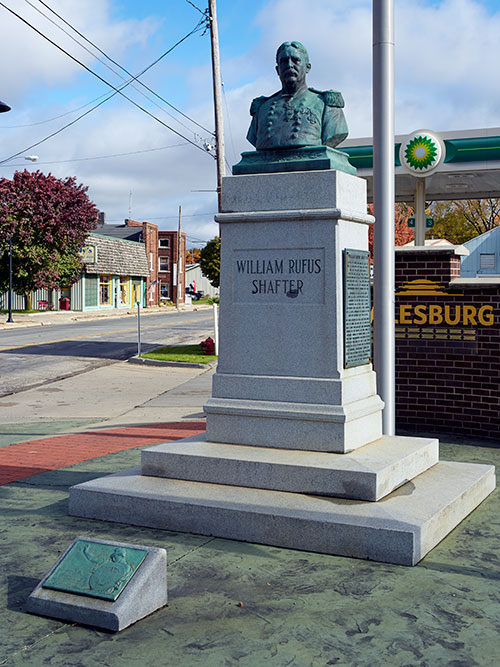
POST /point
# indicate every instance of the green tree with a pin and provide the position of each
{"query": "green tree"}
(47, 219)
(460, 221)
(193, 256)
(210, 261)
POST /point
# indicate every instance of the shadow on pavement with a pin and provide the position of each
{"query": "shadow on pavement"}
(18, 590)
(93, 349)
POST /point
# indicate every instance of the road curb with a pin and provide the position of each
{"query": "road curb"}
(179, 364)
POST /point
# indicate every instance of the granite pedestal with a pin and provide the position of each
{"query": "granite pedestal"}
(294, 454)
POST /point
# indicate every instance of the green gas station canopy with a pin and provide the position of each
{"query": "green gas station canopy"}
(470, 169)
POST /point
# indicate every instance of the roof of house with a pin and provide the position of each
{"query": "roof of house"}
(117, 256)
(120, 232)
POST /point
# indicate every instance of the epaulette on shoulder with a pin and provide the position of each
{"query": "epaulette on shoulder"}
(332, 98)
(257, 103)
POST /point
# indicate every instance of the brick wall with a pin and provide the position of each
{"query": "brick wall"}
(171, 252)
(447, 347)
(150, 240)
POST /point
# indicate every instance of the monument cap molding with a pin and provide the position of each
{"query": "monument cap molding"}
(295, 215)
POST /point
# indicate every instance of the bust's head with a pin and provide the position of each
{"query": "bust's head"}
(292, 65)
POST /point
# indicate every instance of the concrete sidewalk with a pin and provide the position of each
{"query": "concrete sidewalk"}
(230, 603)
(120, 394)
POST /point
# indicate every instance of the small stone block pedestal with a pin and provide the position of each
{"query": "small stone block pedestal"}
(294, 454)
(144, 592)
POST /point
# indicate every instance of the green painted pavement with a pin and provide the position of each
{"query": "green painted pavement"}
(297, 608)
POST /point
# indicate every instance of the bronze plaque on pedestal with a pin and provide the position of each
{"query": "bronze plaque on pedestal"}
(357, 308)
(96, 569)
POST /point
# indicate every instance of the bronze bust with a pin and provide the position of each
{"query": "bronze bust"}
(296, 115)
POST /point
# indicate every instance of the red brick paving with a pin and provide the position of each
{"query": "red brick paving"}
(36, 456)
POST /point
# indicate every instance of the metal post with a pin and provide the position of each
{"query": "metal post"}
(217, 86)
(420, 212)
(138, 328)
(216, 328)
(179, 264)
(10, 282)
(383, 197)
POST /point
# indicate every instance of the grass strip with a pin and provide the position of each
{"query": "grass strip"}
(187, 353)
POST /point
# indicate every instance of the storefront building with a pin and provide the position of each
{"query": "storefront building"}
(115, 274)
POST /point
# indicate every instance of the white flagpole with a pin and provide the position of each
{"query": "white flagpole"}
(383, 198)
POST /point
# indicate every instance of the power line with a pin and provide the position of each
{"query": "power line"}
(197, 8)
(117, 90)
(168, 217)
(114, 62)
(101, 157)
(48, 120)
(103, 62)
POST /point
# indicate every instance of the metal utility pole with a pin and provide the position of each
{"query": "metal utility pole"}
(420, 211)
(383, 198)
(179, 261)
(219, 124)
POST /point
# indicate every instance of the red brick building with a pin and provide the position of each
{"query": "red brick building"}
(171, 272)
(447, 346)
(162, 255)
(149, 237)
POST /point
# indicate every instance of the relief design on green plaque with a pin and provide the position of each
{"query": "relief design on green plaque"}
(96, 569)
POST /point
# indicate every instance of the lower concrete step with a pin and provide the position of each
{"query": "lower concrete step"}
(368, 473)
(400, 529)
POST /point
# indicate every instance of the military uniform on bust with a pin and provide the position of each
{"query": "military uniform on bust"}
(307, 118)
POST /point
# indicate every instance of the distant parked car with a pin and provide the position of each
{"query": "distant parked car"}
(196, 295)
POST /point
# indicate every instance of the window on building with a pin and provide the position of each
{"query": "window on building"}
(164, 243)
(164, 263)
(105, 290)
(124, 290)
(164, 290)
(136, 292)
(487, 260)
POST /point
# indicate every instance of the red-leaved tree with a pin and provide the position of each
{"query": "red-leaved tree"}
(403, 234)
(48, 220)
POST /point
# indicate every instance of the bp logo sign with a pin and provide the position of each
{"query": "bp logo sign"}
(421, 153)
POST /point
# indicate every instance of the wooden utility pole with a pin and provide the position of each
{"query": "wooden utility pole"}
(179, 263)
(219, 124)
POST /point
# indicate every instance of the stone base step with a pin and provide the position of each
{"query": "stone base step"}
(368, 473)
(400, 529)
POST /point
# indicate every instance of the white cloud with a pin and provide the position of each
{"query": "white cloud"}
(33, 62)
(446, 58)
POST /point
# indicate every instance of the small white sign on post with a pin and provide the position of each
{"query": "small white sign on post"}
(216, 328)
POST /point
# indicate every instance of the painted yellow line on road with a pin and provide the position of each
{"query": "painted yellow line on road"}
(104, 333)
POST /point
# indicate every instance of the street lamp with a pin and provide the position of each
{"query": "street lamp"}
(5, 107)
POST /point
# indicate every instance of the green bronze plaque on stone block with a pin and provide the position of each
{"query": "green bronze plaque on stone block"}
(95, 569)
(357, 308)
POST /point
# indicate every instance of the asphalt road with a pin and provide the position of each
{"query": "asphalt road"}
(33, 356)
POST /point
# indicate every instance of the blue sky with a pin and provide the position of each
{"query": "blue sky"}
(446, 68)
